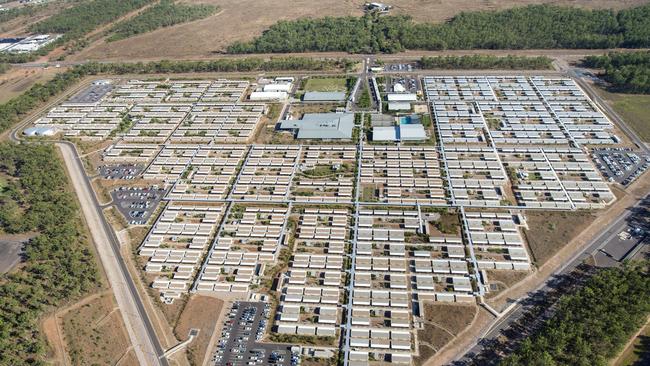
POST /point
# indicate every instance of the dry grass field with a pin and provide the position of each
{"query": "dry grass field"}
(442, 323)
(201, 312)
(18, 26)
(94, 332)
(15, 81)
(245, 19)
(549, 231)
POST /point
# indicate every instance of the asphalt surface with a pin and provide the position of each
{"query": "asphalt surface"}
(91, 94)
(137, 204)
(141, 332)
(120, 171)
(606, 239)
(626, 169)
(10, 252)
(241, 346)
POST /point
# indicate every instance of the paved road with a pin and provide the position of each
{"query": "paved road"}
(141, 333)
(605, 238)
(138, 325)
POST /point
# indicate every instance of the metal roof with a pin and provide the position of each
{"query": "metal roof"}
(324, 97)
(322, 126)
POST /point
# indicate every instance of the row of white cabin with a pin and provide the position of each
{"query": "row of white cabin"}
(536, 110)
(229, 255)
(176, 243)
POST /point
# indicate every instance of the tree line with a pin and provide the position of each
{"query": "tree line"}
(15, 12)
(59, 266)
(625, 72)
(591, 325)
(164, 14)
(17, 108)
(77, 21)
(58, 263)
(534, 26)
(83, 18)
(486, 62)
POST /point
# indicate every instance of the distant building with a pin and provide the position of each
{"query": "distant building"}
(268, 95)
(28, 44)
(324, 97)
(399, 106)
(327, 126)
(278, 87)
(404, 132)
(377, 7)
(399, 88)
(402, 97)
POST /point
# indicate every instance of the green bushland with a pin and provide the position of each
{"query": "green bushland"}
(83, 18)
(16, 12)
(164, 14)
(486, 62)
(364, 98)
(59, 266)
(18, 107)
(533, 26)
(74, 23)
(626, 72)
(591, 325)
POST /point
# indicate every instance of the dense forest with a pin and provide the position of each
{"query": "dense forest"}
(534, 26)
(58, 265)
(85, 17)
(626, 72)
(164, 14)
(15, 109)
(590, 326)
(486, 62)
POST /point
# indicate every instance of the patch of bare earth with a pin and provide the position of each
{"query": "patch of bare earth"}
(549, 231)
(503, 280)
(245, 19)
(442, 324)
(94, 332)
(202, 313)
(17, 80)
(57, 353)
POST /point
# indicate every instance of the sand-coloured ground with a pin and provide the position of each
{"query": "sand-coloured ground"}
(245, 19)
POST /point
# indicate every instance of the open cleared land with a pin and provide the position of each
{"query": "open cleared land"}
(633, 108)
(325, 84)
(243, 20)
(18, 26)
(442, 323)
(16, 81)
(549, 231)
(94, 332)
(201, 312)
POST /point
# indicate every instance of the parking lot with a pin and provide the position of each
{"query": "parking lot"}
(137, 204)
(120, 171)
(402, 84)
(399, 67)
(239, 344)
(92, 94)
(620, 164)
